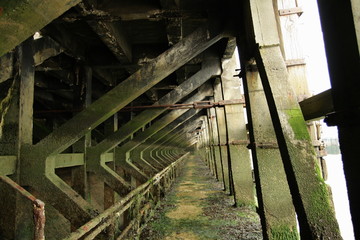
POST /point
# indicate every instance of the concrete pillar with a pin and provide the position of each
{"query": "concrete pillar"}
(277, 212)
(222, 133)
(237, 139)
(215, 145)
(310, 195)
(16, 131)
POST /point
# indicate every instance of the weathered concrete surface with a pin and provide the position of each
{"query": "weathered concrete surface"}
(310, 195)
(222, 134)
(237, 139)
(21, 19)
(39, 160)
(275, 202)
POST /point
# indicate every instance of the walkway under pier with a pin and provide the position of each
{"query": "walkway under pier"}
(197, 208)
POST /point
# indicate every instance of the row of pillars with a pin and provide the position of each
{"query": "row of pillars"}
(286, 172)
(271, 156)
(147, 146)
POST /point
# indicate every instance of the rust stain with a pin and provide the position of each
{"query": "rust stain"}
(1, 10)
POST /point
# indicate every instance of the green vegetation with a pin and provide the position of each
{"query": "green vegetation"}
(297, 123)
(284, 233)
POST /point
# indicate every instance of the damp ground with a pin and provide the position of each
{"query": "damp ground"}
(197, 208)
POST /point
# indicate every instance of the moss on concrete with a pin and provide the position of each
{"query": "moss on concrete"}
(5, 105)
(283, 233)
(297, 123)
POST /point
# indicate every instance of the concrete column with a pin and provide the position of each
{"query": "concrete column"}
(222, 133)
(310, 195)
(16, 128)
(237, 139)
(215, 145)
(277, 212)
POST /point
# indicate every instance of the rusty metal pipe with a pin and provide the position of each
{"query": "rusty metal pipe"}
(38, 210)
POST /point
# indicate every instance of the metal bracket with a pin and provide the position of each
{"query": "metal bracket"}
(263, 145)
(239, 142)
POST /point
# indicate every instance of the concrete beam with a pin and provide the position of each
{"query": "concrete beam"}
(310, 195)
(43, 49)
(21, 19)
(123, 159)
(111, 33)
(211, 68)
(126, 91)
(7, 165)
(39, 161)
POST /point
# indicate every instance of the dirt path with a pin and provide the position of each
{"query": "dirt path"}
(197, 208)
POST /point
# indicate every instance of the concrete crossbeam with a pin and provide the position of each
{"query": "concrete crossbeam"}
(21, 19)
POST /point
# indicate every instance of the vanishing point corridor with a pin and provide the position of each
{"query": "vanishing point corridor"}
(197, 208)
(174, 119)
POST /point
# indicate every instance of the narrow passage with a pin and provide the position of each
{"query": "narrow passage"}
(196, 208)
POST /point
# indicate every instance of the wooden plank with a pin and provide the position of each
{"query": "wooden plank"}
(7, 165)
(290, 11)
(21, 19)
(292, 48)
(317, 106)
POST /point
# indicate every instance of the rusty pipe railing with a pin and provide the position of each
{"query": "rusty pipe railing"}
(38, 208)
(96, 225)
